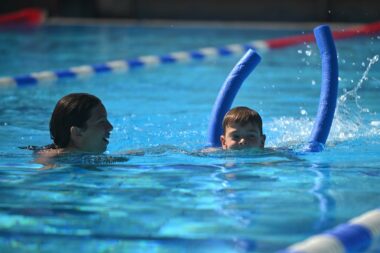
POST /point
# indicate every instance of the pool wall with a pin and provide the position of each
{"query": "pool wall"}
(238, 10)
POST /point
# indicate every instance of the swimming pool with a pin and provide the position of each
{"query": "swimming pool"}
(174, 199)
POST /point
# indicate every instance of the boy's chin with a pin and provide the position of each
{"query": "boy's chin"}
(246, 148)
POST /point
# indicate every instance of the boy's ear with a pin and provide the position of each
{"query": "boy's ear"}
(263, 138)
(223, 141)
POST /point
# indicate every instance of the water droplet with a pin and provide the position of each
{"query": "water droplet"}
(299, 51)
(343, 61)
(303, 112)
(313, 82)
(308, 52)
(363, 64)
(375, 123)
(339, 79)
(353, 64)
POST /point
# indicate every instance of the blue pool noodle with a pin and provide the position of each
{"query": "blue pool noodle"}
(227, 94)
(329, 89)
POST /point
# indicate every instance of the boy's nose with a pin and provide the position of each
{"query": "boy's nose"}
(242, 141)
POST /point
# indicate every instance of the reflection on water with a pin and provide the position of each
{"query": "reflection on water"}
(155, 190)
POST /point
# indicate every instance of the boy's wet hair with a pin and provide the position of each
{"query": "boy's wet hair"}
(242, 115)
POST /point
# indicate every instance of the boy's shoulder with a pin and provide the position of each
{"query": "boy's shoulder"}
(210, 150)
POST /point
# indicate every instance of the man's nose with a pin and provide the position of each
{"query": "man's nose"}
(109, 126)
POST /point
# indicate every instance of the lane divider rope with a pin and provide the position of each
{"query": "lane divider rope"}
(355, 236)
(36, 78)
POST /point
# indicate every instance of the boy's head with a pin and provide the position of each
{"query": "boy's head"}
(242, 128)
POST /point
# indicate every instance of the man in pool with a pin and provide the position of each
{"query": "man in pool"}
(242, 128)
(78, 124)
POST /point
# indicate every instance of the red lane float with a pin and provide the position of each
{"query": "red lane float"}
(29, 17)
(362, 30)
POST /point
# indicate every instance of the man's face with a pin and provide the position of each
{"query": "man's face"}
(238, 136)
(95, 136)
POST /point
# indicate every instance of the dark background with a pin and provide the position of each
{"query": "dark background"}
(223, 10)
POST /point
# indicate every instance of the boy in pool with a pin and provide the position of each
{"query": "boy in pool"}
(242, 128)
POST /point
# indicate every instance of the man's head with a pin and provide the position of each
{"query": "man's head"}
(242, 128)
(79, 121)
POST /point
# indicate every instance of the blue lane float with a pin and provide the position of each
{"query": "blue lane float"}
(329, 89)
(355, 236)
(227, 94)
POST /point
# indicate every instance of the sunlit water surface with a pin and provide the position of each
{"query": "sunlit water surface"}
(175, 198)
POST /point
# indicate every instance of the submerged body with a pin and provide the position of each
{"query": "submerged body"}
(78, 125)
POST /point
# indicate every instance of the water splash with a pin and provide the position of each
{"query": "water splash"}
(289, 132)
(353, 94)
(348, 122)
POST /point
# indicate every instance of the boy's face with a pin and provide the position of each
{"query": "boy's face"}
(238, 136)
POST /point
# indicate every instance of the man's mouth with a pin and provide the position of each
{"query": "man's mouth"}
(106, 139)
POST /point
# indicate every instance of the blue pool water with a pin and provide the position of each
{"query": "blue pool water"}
(175, 199)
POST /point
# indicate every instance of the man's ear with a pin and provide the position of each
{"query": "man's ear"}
(75, 132)
(223, 141)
